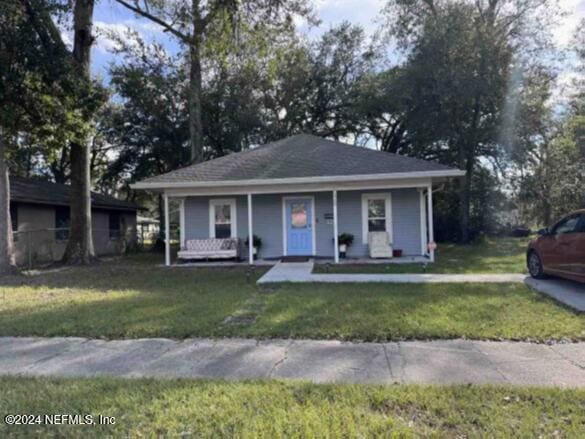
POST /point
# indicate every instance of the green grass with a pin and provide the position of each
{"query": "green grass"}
(133, 297)
(197, 408)
(491, 255)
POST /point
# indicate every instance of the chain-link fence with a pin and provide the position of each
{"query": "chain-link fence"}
(41, 247)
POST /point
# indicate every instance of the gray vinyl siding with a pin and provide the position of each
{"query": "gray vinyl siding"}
(405, 220)
(267, 220)
(197, 218)
(267, 224)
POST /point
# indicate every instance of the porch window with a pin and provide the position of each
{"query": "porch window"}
(299, 216)
(376, 215)
(222, 218)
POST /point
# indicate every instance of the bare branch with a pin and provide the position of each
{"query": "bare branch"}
(146, 14)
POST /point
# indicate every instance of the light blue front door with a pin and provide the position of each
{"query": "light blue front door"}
(299, 226)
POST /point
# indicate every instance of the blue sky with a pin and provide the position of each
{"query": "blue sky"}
(109, 16)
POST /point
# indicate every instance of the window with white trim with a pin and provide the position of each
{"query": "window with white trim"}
(222, 218)
(376, 214)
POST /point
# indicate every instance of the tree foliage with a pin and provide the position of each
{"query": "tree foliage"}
(463, 64)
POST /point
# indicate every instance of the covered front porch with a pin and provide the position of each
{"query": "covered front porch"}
(261, 262)
(307, 220)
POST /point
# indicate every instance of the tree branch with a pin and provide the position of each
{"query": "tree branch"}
(168, 27)
(45, 28)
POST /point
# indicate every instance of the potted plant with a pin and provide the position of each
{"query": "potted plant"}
(344, 240)
(256, 242)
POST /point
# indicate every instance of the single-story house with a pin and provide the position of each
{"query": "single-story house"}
(39, 212)
(298, 194)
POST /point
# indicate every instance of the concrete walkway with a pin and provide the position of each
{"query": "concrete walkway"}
(302, 272)
(437, 362)
(571, 294)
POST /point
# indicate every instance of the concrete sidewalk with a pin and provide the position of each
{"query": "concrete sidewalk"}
(437, 362)
(303, 272)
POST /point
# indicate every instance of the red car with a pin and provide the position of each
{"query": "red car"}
(560, 249)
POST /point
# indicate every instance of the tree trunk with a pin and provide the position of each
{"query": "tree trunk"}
(7, 260)
(195, 125)
(465, 202)
(80, 248)
(159, 243)
(466, 162)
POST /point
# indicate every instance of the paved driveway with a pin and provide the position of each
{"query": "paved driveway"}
(436, 362)
(570, 293)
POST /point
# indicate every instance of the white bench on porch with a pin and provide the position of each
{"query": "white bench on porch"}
(212, 248)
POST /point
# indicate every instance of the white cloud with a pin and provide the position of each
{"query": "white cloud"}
(105, 33)
(333, 12)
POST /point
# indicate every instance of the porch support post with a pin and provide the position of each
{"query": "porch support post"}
(335, 229)
(182, 224)
(430, 214)
(167, 232)
(423, 222)
(250, 232)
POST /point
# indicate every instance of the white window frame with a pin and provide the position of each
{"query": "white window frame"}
(233, 215)
(388, 211)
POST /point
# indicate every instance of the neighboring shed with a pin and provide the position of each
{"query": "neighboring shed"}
(40, 217)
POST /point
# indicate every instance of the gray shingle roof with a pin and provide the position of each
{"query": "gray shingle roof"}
(28, 190)
(302, 155)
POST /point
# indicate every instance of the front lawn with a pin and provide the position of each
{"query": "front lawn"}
(197, 408)
(132, 298)
(491, 255)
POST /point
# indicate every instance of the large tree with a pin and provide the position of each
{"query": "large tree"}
(77, 96)
(194, 22)
(80, 244)
(147, 126)
(461, 61)
(34, 92)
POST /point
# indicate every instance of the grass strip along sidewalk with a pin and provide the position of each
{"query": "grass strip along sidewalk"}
(276, 409)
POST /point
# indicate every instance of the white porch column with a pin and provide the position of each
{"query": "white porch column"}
(182, 224)
(423, 222)
(430, 214)
(167, 232)
(335, 229)
(250, 232)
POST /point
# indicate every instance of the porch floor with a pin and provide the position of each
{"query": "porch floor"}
(271, 262)
(228, 263)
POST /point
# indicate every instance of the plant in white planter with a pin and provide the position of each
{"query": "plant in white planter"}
(257, 243)
(344, 241)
